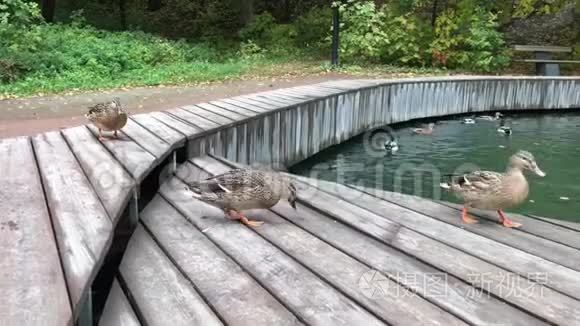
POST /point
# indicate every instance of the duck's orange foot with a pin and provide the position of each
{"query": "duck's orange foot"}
(507, 222)
(466, 218)
(234, 215)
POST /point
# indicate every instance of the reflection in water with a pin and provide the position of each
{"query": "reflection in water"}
(421, 162)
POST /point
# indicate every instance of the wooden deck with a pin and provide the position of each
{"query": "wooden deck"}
(346, 256)
(64, 196)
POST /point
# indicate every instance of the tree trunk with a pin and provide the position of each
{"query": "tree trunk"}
(123, 14)
(153, 5)
(47, 10)
(246, 11)
(434, 13)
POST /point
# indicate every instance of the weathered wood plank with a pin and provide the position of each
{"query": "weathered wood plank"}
(118, 311)
(285, 96)
(149, 141)
(566, 224)
(532, 226)
(444, 290)
(232, 115)
(273, 100)
(81, 224)
(217, 118)
(134, 158)
(343, 271)
(542, 48)
(249, 102)
(169, 135)
(234, 105)
(526, 242)
(112, 183)
(31, 278)
(193, 119)
(300, 290)
(562, 278)
(229, 289)
(187, 129)
(164, 296)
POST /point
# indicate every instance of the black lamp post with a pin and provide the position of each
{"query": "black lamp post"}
(335, 35)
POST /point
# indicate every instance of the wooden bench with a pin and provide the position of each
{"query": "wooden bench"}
(545, 65)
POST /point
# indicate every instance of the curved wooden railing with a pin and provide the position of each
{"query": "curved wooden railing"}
(63, 193)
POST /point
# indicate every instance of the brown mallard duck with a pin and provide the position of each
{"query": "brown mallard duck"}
(425, 131)
(495, 191)
(109, 116)
(242, 189)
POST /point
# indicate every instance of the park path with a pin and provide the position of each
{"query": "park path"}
(30, 116)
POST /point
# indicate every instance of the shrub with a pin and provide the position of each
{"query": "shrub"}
(313, 29)
(259, 30)
(407, 40)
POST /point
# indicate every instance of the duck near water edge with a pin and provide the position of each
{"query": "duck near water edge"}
(493, 190)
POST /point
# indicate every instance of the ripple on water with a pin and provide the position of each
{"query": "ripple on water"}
(553, 139)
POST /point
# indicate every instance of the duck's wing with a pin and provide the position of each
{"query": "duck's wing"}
(479, 180)
(234, 180)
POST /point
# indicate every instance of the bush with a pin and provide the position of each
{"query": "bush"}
(259, 30)
(314, 28)
(407, 40)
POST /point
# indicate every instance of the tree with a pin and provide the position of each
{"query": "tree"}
(154, 5)
(47, 8)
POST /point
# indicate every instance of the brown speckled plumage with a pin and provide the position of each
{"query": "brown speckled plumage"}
(109, 116)
(243, 189)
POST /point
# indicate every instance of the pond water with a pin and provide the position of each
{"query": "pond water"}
(422, 161)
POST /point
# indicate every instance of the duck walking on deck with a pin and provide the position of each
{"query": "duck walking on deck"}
(495, 191)
(242, 189)
(108, 116)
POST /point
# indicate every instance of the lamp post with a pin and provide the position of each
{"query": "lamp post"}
(335, 35)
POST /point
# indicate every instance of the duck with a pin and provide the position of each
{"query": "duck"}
(490, 190)
(468, 121)
(503, 129)
(391, 145)
(108, 116)
(496, 116)
(242, 189)
(425, 131)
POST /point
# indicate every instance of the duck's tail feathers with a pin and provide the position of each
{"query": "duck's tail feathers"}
(194, 188)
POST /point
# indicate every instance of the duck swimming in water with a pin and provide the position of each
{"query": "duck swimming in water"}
(497, 116)
(425, 131)
(391, 145)
(503, 129)
(468, 121)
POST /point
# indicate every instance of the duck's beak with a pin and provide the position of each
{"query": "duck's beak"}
(539, 172)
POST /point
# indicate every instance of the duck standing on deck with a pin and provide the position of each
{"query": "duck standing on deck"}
(495, 191)
(108, 116)
(243, 189)
(425, 131)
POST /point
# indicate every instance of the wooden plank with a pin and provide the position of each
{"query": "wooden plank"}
(169, 135)
(532, 226)
(136, 160)
(81, 224)
(236, 297)
(31, 277)
(523, 241)
(343, 271)
(446, 290)
(193, 119)
(234, 105)
(112, 183)
(149, 141)
(118, 311)
(283, 95)
(217, 118)
(291, 283)
(540, 48)
(548, 61)
(566, 224)
(250, 102)
(223, 112)
(562, 278)
(185, 128)
(274, 100)
(164, 296)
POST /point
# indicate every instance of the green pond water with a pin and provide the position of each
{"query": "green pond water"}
(421, 162)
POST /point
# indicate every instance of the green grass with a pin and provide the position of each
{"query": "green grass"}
(74, 58)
